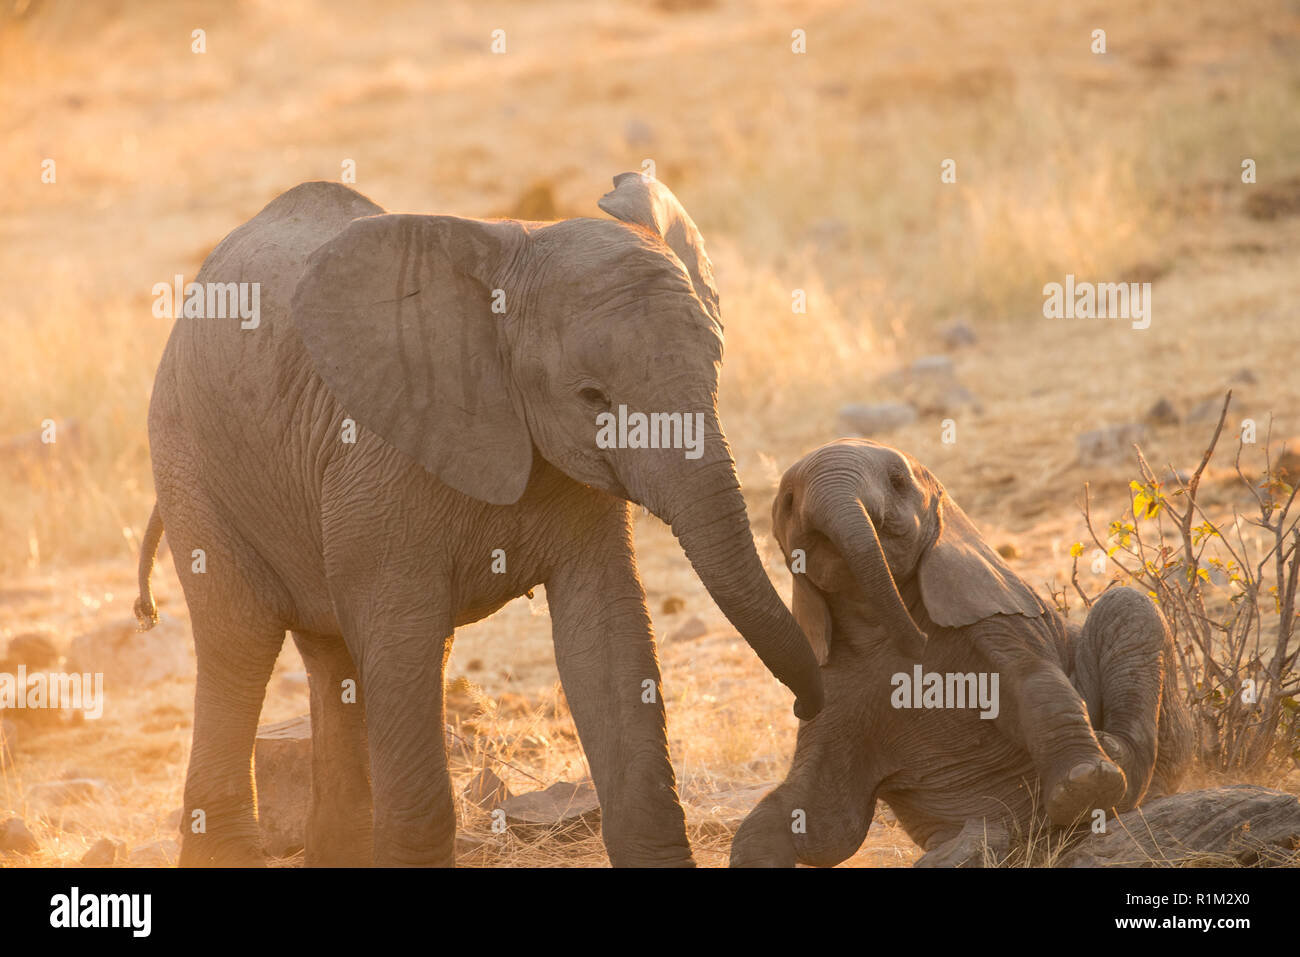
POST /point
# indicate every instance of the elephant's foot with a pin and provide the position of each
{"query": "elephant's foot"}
(1088, 784)
(203, 850)
(978, 844)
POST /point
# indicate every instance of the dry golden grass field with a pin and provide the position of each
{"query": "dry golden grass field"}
(817, 171)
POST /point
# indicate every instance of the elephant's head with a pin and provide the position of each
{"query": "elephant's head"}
(870, 519)
(469, 345)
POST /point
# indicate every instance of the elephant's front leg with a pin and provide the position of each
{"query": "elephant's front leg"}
(1045, 714)
(400, 643)
(821, 812)
(605, 651)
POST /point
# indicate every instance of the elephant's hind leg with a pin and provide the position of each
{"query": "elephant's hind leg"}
(1119, 669)
(236, 641)
(340, 822)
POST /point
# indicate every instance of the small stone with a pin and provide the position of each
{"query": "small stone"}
(470, 845)
(486, 790)
(1162, 413)
(68, 791)
(873, 418)
(282, 767)
(475, 664)
(690, 629)
(638, 133)
(562, 809)
(1008, 550)
(104, 853)
(15, 838)
(957, 335)
(1243, 376)
(673, 604)
(156, 854)
(33, 649)
(932, 367)
(1110, 445)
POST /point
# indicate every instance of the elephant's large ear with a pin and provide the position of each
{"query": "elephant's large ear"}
(813, 615)
(964, 581)
(642, 200)
(396, 312)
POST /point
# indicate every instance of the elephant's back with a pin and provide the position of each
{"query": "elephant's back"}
(237, 410)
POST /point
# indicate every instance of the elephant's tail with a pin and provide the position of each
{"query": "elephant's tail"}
(146, 612)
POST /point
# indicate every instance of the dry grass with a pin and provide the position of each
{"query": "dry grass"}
(818, 172)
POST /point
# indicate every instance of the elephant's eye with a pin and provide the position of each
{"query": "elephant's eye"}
(594, 397)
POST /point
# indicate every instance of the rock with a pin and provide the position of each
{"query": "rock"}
(156, 854)
(876, 417)
(673, 604)
(957, 335)
(638, 133)
(486, 790)
(282, 766)
(15, 838)
(1008, 550)
(294, 681)
(535, 204)
(8, 742)
(67, 791)
(1248, 824)
(1162, 413)
(129, 657)
(470, 846)
(173, 820)
(105, 853)
(1207, 411)
(1110, 445)
(33, 649)
(950, 401)
(1286, 461)
(932, 367)
(1243, 376)
(689, 630)
(563, 809)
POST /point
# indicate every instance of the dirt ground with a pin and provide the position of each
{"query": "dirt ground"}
(817, 171)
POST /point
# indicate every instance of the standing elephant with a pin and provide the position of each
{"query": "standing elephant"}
(406, 439)
(893, 584)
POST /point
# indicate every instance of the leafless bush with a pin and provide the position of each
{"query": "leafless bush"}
(1230, 601)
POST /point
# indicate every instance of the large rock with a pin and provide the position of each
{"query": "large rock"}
(282, 768)
(127, 657)
(1240, 823)
(487, 790)
(15, 838)
(34, 649)
(562, 810)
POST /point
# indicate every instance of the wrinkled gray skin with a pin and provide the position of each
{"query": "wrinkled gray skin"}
(1089, 717)
(475, 431)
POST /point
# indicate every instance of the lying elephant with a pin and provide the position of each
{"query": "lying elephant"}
(408, 437)
(1078, 719)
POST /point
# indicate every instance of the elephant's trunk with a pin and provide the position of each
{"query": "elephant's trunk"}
(707, 514)
(836, 510)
